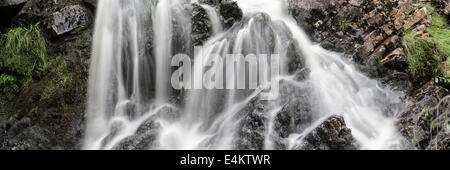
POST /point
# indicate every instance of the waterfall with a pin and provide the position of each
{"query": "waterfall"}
(131, 104)
(163, 31)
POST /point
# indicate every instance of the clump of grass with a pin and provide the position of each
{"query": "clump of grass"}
(344, 24)
(24, 55)
(440, 34)
(422, 55)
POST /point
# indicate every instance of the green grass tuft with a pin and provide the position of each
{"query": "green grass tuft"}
(423, 58)
(440, 34)
(344, 24)
(24, 55)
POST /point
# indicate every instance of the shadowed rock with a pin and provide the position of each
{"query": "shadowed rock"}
(333, 134)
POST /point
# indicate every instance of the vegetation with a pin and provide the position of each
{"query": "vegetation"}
(440, 34)
(425, 55)
(422, 56)
(9, 84)
(61, 79)
(344, 24)
(25, 59)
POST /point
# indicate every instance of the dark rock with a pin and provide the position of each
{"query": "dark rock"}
(19, 126)
(115, 129)
(443, 7)
(396, 60)
(392, 42)
(376, 56)
(32, 138)
(399, 81)
(91, 3)
(251, 133)
(143, 138)
(282, 128)
(230, 13)
(424, 121)
(330, 135)
(35, 10)
(201, 25)
(441, 141)
(305, 9)
(212, 2)
(8, 10)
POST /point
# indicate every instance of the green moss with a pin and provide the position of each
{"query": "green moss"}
(9, 85)
(422, 55)
(25, 59)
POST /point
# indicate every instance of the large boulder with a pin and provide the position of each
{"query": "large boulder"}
(69, 19)
(201, 25)
(143, 138)
(251, 134)
(230, 13)
(332, 134)
(36, 9)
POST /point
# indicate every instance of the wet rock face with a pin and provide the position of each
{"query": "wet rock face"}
(330, 135)
(201, 25)
(35, 9)
(253, 127)
(425, 121)
(69, 19)
(230, 12)
(305, 9)
(143, 138)
(212, 2)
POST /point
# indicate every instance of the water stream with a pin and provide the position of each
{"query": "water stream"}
(129, 83)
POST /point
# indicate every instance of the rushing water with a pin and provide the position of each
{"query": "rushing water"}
(130, 76)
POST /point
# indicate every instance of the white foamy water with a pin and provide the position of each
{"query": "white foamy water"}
(129, 85)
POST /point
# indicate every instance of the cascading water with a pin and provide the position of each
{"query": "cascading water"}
(131, 104)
